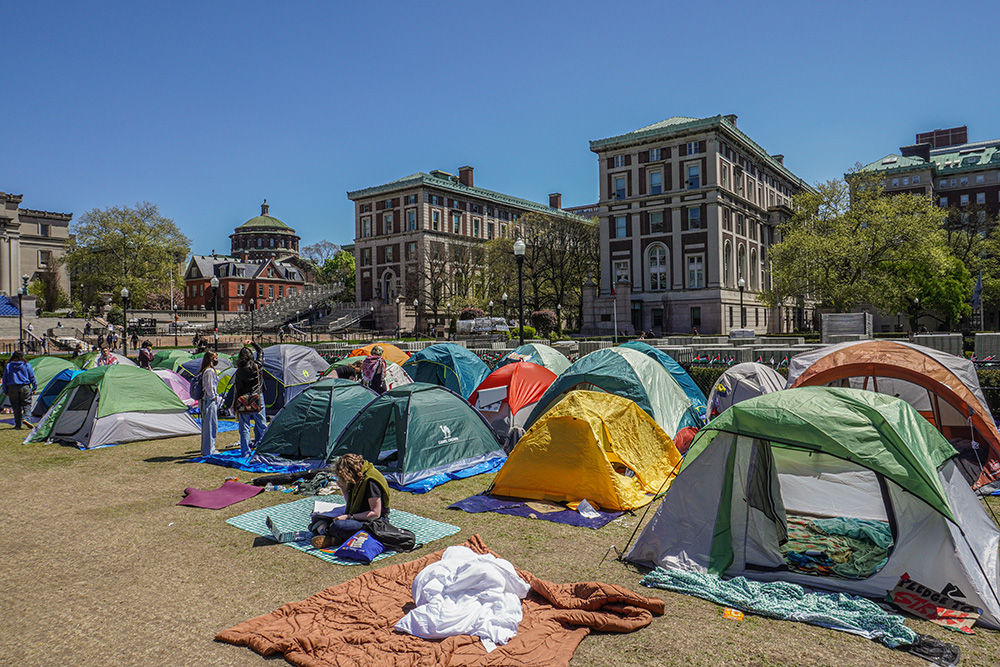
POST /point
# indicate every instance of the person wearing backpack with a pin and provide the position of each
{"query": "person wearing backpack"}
(19, 383)
(208, 402)
(248, 395)
(145, 358)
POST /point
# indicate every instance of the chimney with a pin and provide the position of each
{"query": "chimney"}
(731, 118)
(922, 150)
(779, 158)
(555, 200)
(264, 208)
(465, 175)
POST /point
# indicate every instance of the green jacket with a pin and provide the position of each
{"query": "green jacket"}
(356, 503)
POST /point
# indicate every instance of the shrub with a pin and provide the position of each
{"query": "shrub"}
(544, 321)
(529, 332)
(115, 316)
(471, 313)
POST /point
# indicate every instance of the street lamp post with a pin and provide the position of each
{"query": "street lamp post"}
(20, 311)
(491, 309)
(519, 248)
(416, 319)
(125, 321)
(743, 316)
(215, 309)
(175, 325)
(252, 302)
(559, 318)
(504, 299)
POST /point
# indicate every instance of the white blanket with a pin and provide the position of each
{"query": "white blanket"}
(466, 593)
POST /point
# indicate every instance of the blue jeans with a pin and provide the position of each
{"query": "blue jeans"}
(260, 425)
(342, 529)
(209, 425)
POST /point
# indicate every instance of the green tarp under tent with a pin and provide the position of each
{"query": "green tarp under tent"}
(849, 468)
(87, 361)
(45, 368)
(112, 405)
(627, 373)
(170, 359)
(537, 353)
(288, 370)
(448, 365)
(421, 435)
(309, 425)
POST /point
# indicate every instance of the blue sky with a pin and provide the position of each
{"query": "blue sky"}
(206, 108)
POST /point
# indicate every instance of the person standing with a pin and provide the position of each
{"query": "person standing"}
(106, 358)
(145, 357)
(134, 340)
(373, 371)
(209, 403)
(100, 341)
(19, 383)
(248, 395)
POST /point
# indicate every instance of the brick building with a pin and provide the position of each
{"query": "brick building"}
(411, 231)
(688, 207)
(240, 280)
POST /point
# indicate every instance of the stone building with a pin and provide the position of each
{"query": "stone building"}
(31, 243)
(688, 208)
(264, 237)
(412, 234)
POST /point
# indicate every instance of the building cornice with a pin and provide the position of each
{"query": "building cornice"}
(50, 215)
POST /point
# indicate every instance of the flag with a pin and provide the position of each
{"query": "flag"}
(760, 360)
(732, 360)
(784, 362)
(772, 361)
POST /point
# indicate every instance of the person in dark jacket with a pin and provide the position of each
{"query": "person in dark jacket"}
(19, 383)
(367, 496)
(145, 358)
(248, 395)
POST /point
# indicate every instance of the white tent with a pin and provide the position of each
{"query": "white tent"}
(740, 382)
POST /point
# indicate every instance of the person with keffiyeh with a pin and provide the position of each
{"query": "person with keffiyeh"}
(373, 371)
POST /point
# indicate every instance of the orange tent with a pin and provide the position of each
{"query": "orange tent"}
(389, 352)
(507, 395)
(896, 368)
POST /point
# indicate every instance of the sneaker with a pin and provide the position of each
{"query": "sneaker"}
(324, 542)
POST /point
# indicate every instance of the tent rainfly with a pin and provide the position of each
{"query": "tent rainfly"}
(288, 370)
(740, 382)
(507, 396)
(448, 365)
(538, 353)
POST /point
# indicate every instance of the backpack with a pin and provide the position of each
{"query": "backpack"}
(197, 390)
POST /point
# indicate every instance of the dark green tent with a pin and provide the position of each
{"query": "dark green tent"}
(308, 426)
(420, 435)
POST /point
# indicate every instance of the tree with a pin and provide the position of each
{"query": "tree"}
(121, 247)
(941, 291)
(848, 243)
(339, 268)
(46, 288)
(321, 252)
(544, 321)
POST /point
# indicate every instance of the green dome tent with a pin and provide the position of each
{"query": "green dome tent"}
(170, 359)
(448, 365)
(421, 435)
(847, 457)
(45, 368)
(308, 426)
(538, 353)
(112, 405)
(87, 361)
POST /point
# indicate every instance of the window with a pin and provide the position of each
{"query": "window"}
(942, 202)
(388, 254)
(365, 208)
(943, 183)
(980, 178)
(739, 223)
(387, 223)
(366, 227)
(489, 230)
(696, 317)
(619, 161)
(388, 203)
(654, 154)
(694, 217)
(753, 269)
(291, 291)
(270, 291)
(906, 180)
(953, 182)
(475, 227)
(455, 204)
(963, 200)
(621, 267)
(655, 182)
(44, 258)
(727, 265)
(241, 289)
(411, 220)
(696, 271)
(965, 180)
(411, 250)
(692, 147)
(916, 179)
(281, 290)
(620, 227)
(980, 197)
(260, 243)
(895, 182)
(725, 177)
(411, 199)
(657, 261)
(456, 222)
(43, 229)
(436, 220)
(656, 222)
(726, 222)
(366, 257)
(272, 242)
(260, 290)
(435, 200)
(693, 176)
(620, 187)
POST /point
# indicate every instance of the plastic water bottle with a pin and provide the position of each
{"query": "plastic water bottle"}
(269, 487)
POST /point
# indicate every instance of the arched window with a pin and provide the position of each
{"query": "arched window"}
(389, 286)
(727, 265)
(741, 263)
(753, 269)
(656, 263)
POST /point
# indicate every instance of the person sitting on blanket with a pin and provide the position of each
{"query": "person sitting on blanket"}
(367, 495)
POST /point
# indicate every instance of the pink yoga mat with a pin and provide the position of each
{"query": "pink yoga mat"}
(228, 494)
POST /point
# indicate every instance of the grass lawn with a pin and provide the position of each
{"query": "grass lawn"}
(101, 567)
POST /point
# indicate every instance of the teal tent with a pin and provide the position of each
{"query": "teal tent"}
(627, 373)
(309, 425)
(448, 365)
(538, 353)
(699, 404)
(421, 435)
(839, 457)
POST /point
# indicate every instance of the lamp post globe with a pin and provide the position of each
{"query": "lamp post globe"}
(743, 316)
(253, 303)
(215, 309)
(491, 308)
(519, 248)
(125, 321)
(504, 298)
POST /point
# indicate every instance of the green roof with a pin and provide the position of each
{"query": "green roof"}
(683, 125)
(965, 157)
(452, 184)
(265, 222)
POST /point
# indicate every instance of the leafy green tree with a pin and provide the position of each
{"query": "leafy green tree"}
(940, 290)
(339, 268)
(46, 288)
(848, 244)
(121, 246)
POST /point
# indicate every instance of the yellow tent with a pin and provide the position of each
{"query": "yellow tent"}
(595, 446)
